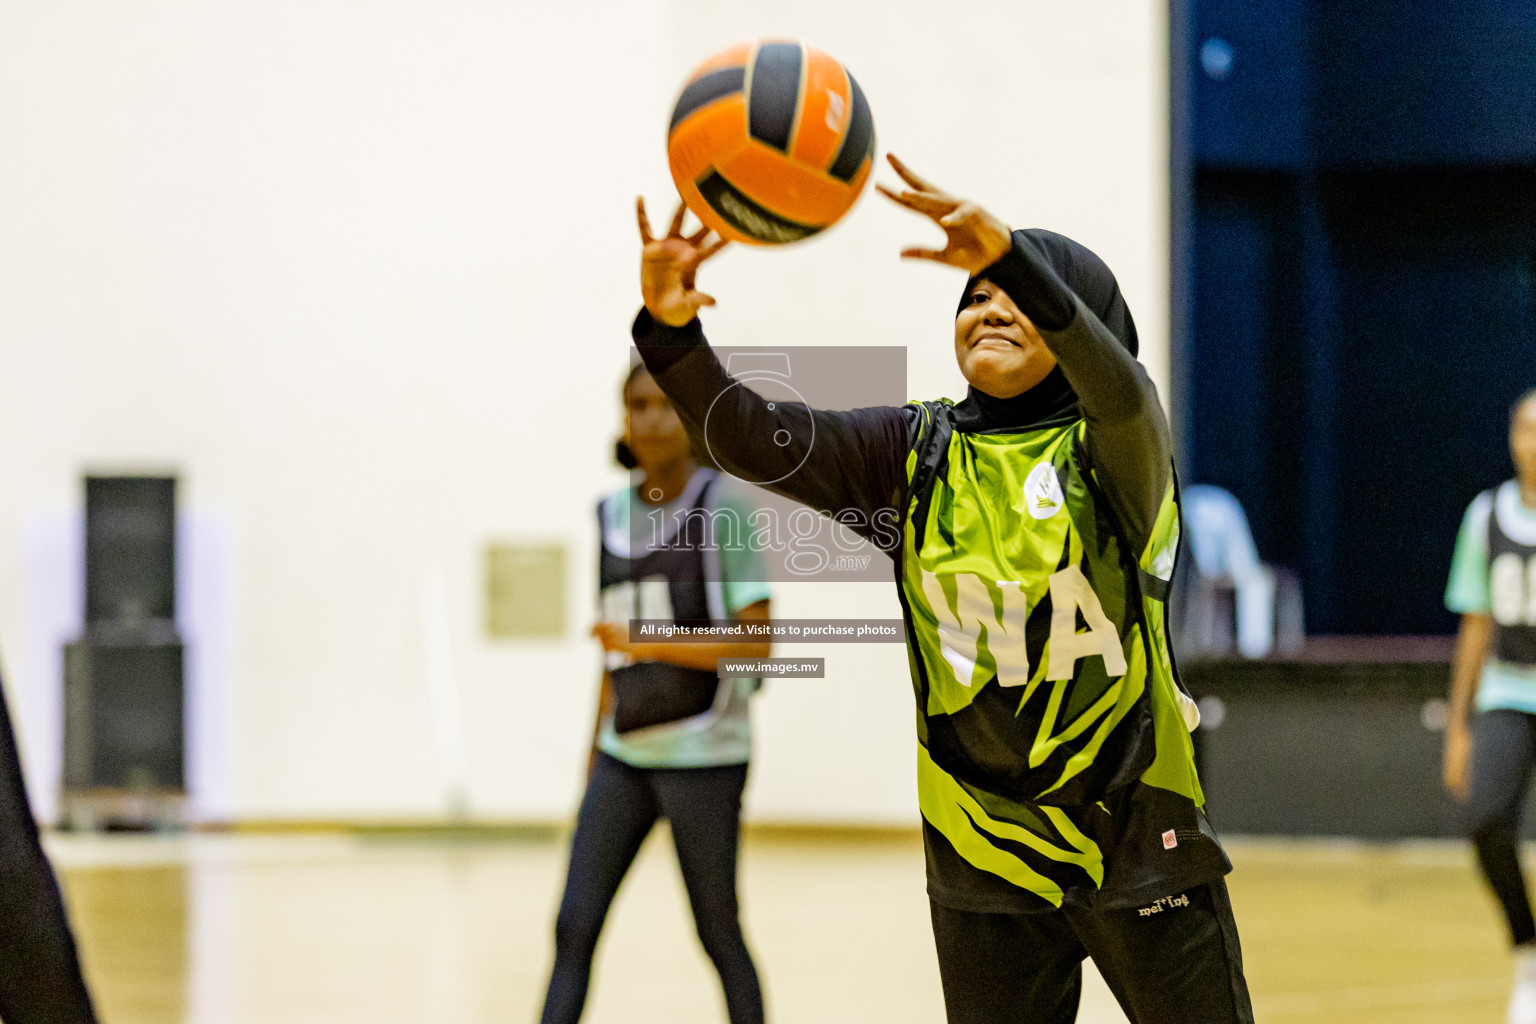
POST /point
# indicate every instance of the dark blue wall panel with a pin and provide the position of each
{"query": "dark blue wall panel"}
(1438, 321)
(1244, 392)
(1256, 113)
(1425, 81)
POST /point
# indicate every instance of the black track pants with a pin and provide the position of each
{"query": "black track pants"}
(40, 980)
(1175, 962)
(621, 805)
(1503, 754)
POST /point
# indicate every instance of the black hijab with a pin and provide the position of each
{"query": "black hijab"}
(1052, 401)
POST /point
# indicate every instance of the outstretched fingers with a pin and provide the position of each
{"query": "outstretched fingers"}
(676, 230)
(909, 200)
(690, 266)
(934, 255)
(895, 197)
(711, 249)
(960, 215)
(931, 206)
(909, 176)
(645, 222)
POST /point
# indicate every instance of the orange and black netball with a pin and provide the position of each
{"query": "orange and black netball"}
(771, 142)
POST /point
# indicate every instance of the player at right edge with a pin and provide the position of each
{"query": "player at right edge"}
(1488, 767)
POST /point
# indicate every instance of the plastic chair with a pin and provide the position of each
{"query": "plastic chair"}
(1227, 600)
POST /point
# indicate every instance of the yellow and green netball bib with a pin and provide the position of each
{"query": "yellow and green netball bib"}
(1039, 653)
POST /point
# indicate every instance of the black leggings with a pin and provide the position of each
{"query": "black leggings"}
(617, 812)
(1503, 754)
(40, 980)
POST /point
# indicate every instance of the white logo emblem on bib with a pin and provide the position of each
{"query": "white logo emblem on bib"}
(1042, 492)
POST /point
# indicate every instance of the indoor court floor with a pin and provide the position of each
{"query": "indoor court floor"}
(386, 927)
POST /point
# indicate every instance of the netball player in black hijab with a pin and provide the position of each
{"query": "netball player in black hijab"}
(1062, 815)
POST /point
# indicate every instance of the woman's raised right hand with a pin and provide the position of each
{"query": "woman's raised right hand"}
(669, 265)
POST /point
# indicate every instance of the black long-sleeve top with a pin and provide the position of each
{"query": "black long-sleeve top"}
(857, 459)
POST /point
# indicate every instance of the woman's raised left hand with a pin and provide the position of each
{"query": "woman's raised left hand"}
(974, 239)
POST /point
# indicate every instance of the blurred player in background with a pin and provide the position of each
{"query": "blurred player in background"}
(40, 979)
(1488, 766)
(672, 739)
(1062, 814)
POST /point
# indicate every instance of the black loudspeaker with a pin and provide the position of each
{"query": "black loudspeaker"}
(123, 715)
(130, 549)
(124, 700)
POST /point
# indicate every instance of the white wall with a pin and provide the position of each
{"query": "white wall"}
(362, 273)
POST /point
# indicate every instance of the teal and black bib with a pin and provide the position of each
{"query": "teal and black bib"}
(1511, 580)
(1045, 688)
